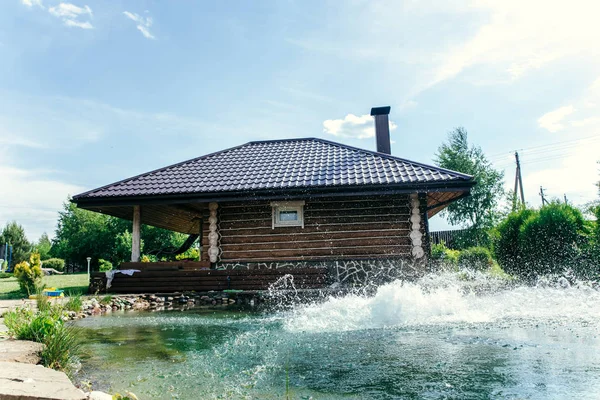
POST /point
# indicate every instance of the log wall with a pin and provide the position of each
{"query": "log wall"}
(167, 280)
(334, 229)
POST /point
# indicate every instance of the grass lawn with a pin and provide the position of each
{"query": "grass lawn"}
(71, 284)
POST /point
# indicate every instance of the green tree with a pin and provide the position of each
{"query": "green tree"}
(14, 235)
(478, 211)
(43, 247)
(80, 234)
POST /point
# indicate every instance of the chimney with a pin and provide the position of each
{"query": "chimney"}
(382, 129)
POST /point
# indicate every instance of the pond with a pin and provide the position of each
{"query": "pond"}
(438, 338)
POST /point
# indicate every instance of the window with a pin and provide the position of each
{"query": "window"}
(288, 213)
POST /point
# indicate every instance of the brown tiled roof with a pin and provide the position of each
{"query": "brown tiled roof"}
(280, 164)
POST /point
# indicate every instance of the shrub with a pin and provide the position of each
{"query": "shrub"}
(104, 265)
(444, 256)
(477, 258)
(452, 256)
(29, 274)
(4, 275)
(507, 248)
(437, 251)
(55, 263)
(17, 321)
(531, 243)
(551, 239)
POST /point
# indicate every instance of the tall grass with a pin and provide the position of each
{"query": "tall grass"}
(74, 302)
(42, 301)
(46, 326)
(62, 347)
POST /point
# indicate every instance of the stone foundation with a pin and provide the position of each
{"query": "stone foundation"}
(347, 272)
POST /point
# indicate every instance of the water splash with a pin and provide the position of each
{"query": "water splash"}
(446, 335)
(282, 293)
(449, 297)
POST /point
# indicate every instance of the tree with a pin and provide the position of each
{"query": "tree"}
(478, 211)
(43, 247)
(80, 234)
(14, 235)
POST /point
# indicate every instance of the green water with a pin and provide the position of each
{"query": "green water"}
(408, 341)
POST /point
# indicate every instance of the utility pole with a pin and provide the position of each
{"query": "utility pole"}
(544, 201)
(566, 202)
(518, 183)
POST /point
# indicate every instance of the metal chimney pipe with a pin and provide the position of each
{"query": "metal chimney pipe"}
(382, 129)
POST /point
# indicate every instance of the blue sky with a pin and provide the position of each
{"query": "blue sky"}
(92, 91)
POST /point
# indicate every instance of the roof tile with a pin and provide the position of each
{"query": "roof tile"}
(291, 163)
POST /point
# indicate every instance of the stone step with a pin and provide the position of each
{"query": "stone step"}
(21, 351)
(26, 381)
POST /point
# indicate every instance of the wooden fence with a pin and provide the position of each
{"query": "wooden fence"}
(447, 237)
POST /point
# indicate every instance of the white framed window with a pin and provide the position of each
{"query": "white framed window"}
(288, 213)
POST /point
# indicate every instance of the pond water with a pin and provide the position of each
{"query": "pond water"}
(438, 338)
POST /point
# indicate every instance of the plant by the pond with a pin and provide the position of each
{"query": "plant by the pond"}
(74, 302)
(46, 326)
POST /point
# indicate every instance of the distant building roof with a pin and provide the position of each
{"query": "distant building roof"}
(279, 165)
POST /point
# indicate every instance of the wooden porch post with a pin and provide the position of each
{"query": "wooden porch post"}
(135, 235)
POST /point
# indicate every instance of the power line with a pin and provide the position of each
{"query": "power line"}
(525, 149)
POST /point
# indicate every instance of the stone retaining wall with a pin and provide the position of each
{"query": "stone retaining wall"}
(348, 272)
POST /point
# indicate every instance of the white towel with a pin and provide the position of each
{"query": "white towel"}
(111, 274)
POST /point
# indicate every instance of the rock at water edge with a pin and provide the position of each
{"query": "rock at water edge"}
(26, 381)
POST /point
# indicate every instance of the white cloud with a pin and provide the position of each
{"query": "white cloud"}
(506, 39)
(571, 172)
(570, 168)
(553, 120)
(352, 126)
(524, 36)
(77, 24)
(68, 10)
(31, 3)
(143, 24)
(14, 140)
(72, 15)
(34, 200)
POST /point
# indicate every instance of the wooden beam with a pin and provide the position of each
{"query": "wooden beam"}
(135, 234)
(188, 209)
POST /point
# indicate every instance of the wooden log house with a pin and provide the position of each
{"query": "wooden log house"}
(323, 211)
